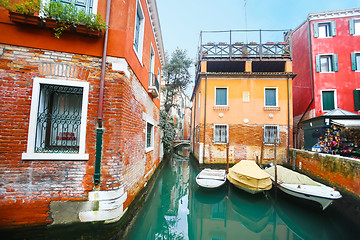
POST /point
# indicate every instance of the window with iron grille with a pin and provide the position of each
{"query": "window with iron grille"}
(57, 123)
(58, 119)
(220, 133)
(271, 132)
(149, 133)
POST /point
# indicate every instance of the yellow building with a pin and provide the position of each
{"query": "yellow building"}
(242, 100)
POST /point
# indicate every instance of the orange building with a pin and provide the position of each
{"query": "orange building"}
(242, 99)
(80, 113)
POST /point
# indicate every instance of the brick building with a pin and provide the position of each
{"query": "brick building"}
(241, 99)
(80, 115)
(326, 59)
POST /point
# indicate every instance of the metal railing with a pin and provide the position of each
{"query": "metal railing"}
(153, 81)
(240, 49)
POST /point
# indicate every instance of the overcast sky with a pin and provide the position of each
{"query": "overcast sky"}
(181, 21)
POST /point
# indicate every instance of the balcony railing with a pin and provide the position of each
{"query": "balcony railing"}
(231, 49)
(153, 85)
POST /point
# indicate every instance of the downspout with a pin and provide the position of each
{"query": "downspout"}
(288, 120)
(100, 130)
(205, 117)
(311, 81)
(194, 125)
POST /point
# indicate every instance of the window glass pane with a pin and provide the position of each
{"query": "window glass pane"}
(325, 63)
(357, 27)
(328, 100)
(220, 134)
(148, 135)
(357, 61)
(270, 132)
(221, 96)
(59, 119)
(324, 30)
(137, 29)
(270, 97)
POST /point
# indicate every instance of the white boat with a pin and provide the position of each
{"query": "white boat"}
(211, 178)
(248, 176)
(301, 186)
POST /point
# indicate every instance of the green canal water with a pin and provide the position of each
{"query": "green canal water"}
(179, 209)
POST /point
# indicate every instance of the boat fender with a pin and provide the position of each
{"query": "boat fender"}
(299, 186)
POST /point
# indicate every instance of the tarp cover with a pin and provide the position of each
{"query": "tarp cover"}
(249, 175)
(349, 123)
(290, 177)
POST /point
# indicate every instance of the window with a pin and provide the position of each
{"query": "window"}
(270, 97)
(89, 6)
(149, 135)
(220, 133)
(221, 96)
(324, 29)
(356, 100)
(139, 30)
(328, 100)
(199, 98)
(355, 61)
(198, 133)
(151, 68)
(354, 26)
(271, 132)
(57, 126)
(327, 63)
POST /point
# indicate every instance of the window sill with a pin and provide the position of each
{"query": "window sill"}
(220, 143)
(223, 108)
(149, 149)
(54, 156)
(273, 109)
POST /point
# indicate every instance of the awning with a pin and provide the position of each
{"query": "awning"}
(349, 123)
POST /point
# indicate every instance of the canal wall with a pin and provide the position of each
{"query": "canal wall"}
(340, 172)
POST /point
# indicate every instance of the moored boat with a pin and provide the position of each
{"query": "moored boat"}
(301, 186)
(211, 178)
(248, 176)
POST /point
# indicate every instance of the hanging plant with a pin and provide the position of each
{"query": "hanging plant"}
(29, 7)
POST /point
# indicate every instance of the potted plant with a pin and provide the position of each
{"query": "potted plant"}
(252, 43)
(239, 43)
(23, 12)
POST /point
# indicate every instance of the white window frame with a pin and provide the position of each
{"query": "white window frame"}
(277, 96)
(227, 96)
(278, 133)
(328, 29)
(227, 132)
(199, 98)
(357, 26)
(357, 63)
(335, 98)
(330, 63)
(139, 51)
(148, 149)
(30, 153)
(148, 119)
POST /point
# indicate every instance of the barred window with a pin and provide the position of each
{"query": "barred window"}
(149, 133)
(271, 132)
(220, 133)
(58, 119)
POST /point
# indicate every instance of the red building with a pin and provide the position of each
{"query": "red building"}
(80, 113)
(326, 59)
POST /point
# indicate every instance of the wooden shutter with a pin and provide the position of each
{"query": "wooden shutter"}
(316, 30)
(318, 64)
(328, 100)
(351, 26)
(335, 65)
(356, 100)
(353, 61)
(332, 28)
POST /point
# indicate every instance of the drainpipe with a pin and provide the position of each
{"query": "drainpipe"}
(193, 110)
(100, 130)
(311, 81)
(205, 117)
(288, 113)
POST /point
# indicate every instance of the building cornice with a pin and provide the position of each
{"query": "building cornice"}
(155, 22)
(334, 14)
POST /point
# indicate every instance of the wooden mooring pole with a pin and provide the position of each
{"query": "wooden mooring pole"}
(227, 158)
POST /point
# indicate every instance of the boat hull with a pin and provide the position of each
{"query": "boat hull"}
(242, 186)
(209, 178)
(210, 183)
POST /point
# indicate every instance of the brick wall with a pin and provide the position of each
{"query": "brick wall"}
(244, 143)
(27, 187)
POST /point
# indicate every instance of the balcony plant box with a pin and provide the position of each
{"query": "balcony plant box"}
(83, 29)
(25, 19)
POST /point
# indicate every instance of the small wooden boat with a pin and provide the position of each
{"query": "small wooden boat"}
(211, 178)
(248, 176)
(301, 186)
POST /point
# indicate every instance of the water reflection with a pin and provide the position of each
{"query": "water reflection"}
(179, 209)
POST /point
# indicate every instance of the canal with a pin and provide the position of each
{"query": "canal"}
(178, 209)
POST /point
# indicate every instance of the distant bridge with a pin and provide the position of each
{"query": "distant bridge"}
(181, 142)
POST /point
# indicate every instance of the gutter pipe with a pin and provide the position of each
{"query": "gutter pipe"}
(205, 118)
(100, 130)
(311, 81)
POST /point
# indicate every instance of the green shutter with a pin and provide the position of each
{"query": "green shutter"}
(353, 61)
(332, 28)
(357, 100)
(335, 66)
(328, 100)
(318, 64)
(316, 30)
(351, 26)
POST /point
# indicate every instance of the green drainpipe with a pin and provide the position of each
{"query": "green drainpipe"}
(99, 134)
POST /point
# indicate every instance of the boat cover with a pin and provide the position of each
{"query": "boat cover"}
(212, 174)
(249, 175)
(290, 177)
